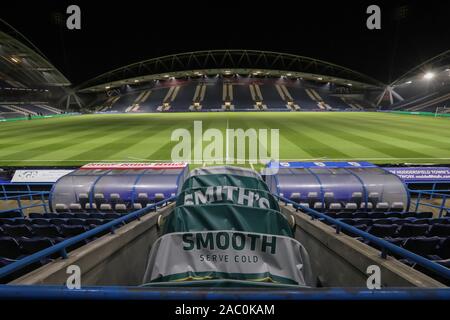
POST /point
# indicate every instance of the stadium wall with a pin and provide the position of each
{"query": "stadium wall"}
(114, 259)
(423, 113)
(341, 261)
(120, 258)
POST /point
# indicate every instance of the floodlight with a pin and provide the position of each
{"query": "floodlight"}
(428, 75)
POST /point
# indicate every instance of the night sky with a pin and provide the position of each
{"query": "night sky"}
(116, 33)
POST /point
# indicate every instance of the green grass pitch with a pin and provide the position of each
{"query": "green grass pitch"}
(375, 137)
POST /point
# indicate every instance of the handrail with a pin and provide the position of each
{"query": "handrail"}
(29, 197)
(441, 207)
(195, 293)
(35, 193)
(61, 246)
(385, 245)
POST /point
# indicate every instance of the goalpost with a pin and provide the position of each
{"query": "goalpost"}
(441, 110)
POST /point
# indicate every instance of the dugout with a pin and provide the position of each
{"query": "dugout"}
(340, 187)
(114, 188)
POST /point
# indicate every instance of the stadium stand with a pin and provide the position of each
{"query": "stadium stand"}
(251, 94)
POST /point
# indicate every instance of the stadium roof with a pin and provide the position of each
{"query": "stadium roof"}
(212, 62)
(23, 64)
(434, 65)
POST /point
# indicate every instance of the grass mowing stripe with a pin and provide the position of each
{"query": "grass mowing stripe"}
(339, 137)
(403, 139)
(66, 141)
(310, 144)
(376, 142)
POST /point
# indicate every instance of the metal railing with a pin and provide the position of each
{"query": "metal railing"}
(10, 189)
(386, 246)
(33, 196)
(435, 187)
(60, 248)
(135, 293)
(425, 195)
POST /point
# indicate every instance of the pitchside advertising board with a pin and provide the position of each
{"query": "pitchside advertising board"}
(216, 255)
(322, 164)
(38, 176)
(422, 174)
(134, 165)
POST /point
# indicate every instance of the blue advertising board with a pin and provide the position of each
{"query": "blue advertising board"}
(322, 164)
(421, 174)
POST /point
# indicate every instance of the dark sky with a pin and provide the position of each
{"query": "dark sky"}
(116, 33)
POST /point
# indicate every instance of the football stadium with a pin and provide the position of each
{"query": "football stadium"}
(231, 174)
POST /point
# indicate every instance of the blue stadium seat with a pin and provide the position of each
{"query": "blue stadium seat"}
(420, 221)
(12, 214)
(408, 230)
(422, 246)
(365, 221)
(376, 215)
(47, 231)
(440, 230)
(111, 215)
(382, 221)
(81, 215)
(33, 245)
(444, 248)
(393, 215)
(18, 230)
(344, 214)
(69, 231)
(76, 222)
(50, 215)
(424, 215)
(382, 231)
(36, 215)
(58, 221)
(16, 221)
(97, 216)
(439, 220)
(9, 248)
(359, 215)
(65, 215)
(40, 221)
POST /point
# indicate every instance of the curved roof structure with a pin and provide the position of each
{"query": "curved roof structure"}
(22, 63)
(212, 62)
(435, 64)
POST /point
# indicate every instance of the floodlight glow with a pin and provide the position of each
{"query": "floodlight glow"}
(428, 75)
(107, 87)
(408, 82)
(136, 80)
(349, 84)
(319, 78)
(289, 74)
(13, 59)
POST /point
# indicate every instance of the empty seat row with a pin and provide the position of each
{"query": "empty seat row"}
(11, 214)
(52, 231)
(433, 248)
(379, 215)
(113, 203)
(406, 230)
(397, 221)
(55, 221)
(11, 248)
(312, 200)
(80, 215)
